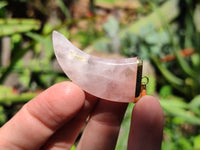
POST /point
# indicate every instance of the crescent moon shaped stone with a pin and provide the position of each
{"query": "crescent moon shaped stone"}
(109, 79)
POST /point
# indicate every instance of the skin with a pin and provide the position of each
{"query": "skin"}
(54, 119)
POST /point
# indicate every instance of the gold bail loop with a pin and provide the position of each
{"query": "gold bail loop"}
(144, 83)
(143, 88)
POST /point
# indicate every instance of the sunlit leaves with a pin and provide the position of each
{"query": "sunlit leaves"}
(12, 26)
(197, 17)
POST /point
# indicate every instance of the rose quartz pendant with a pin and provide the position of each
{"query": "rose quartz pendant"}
(116, 80)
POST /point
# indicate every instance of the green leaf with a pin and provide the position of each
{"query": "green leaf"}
(152, 38)
(197, 142)
(43, 40)
(124, 130)
(165, 91)
(173, 103)
(151, 86)
(2, 115)
(5, 90)
(178, 121)
(167, 145)
(111, 27)
(177, 109)
(73, 147)
(7, 96)
(197, 17)
(16, 99)
(185, 65)
(15, 59)
(13, 26)
(64, 9)
(3, 4)
(153, 18)
(185, 115)
(102, 44)
(40, 38)
(195, 60)
(16, 38)
(155, 50)
(195, 102)
(167, 74)
(25, 77)
(184, 143)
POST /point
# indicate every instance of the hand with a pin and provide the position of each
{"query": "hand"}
(54, 119)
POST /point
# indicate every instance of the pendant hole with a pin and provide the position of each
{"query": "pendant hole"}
(145, 80)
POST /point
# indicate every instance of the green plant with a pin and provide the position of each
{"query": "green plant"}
(160, 31)
(179, 76)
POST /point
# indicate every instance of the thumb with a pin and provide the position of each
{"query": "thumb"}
(31, 127)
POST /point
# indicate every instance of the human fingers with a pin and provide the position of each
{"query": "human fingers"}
(146, 125)
(31, 127)
(67, 134)
(103, 127)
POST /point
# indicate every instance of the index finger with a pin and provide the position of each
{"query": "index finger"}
(41, 117)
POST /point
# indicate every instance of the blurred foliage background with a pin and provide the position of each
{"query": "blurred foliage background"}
(165, 33)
